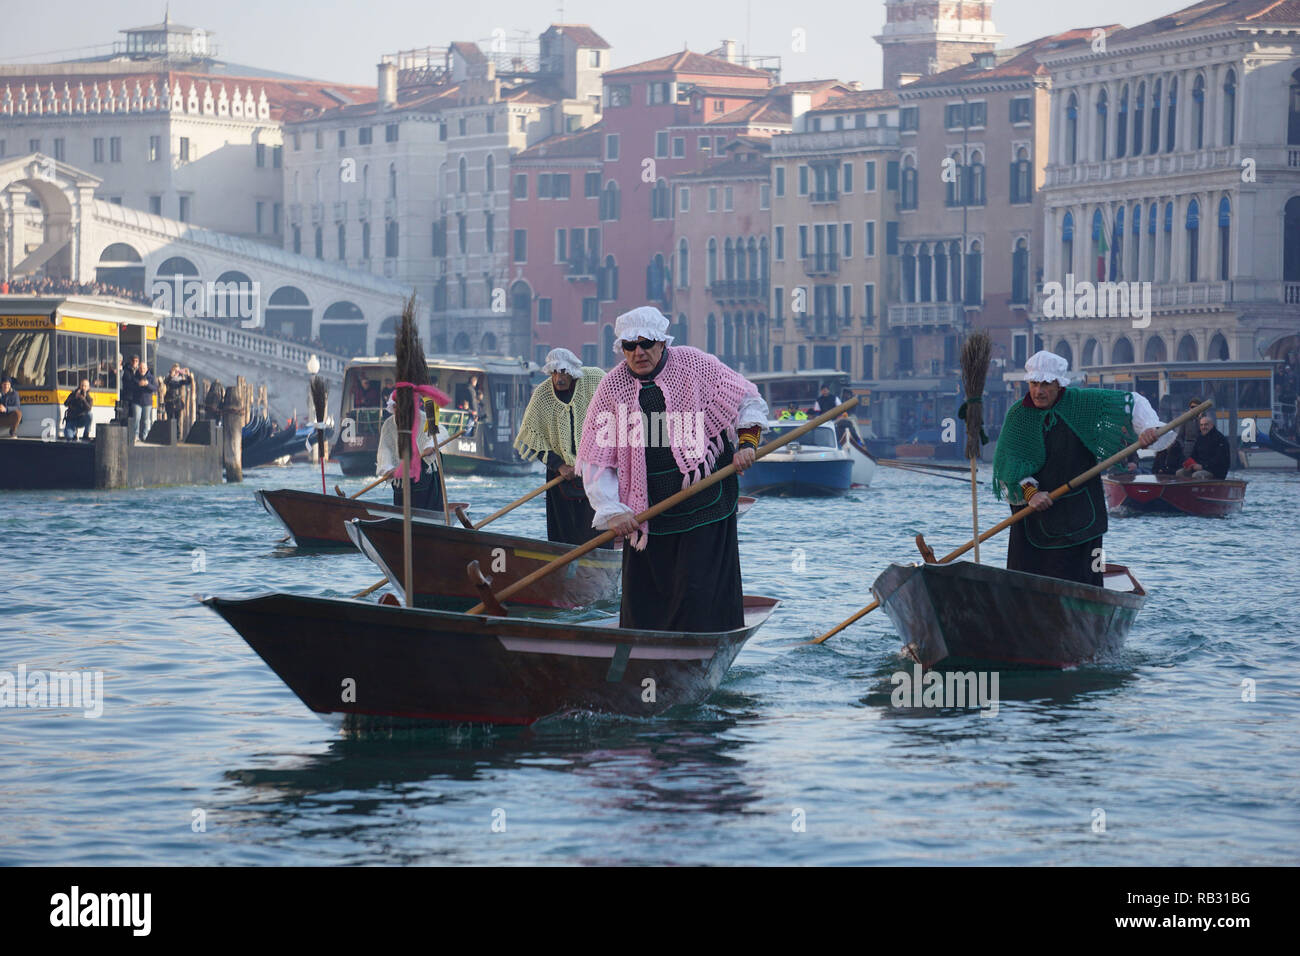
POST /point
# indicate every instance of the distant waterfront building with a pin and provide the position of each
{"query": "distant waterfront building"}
(921, 37)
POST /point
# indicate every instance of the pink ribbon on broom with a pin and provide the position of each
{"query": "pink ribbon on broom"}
(441, 399)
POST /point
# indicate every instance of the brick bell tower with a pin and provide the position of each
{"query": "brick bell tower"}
(921, 37)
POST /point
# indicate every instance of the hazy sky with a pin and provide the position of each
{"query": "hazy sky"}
(342, 39)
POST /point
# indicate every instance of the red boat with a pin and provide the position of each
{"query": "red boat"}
(320, 521)
(1154, 494)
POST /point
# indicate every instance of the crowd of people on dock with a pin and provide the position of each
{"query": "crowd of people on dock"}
(48, 285)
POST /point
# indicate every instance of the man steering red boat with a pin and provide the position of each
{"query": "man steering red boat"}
(664, 418)
(1055, 434)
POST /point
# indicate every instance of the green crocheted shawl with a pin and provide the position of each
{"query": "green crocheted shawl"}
(1101, 417)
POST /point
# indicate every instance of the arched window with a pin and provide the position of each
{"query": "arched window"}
(232, 297)
(955, 266)
(390, 239)
(1293, 112)
(1154, 351)
(1218, 348)
(490, 175)
(976, 179)
(762, 265)
(1225, 237)
(320, 243)
(392, 180)
(607, 343)
(609, 280)
(521, 301)
(656, 274)
(907, 197)
(343, 241)
(1020, 182)
(941, 292)
(1150, 268)
(711, 335)
(1193, 225)
(317, 193)
(711, 262)
(975, 274)
(343, 327)
(1167, 269)
(461, 343)
(1139, 102)
(488, 344)
(1230, 109)
(609, 202)
(1117, 247)
(1099, 245)
(1154, 145)
(925, 267)
(1067, 244)
(1072, 129)
(1198, 112)
(1186, 349)
(728, 260)
(1091, 354)
(120, 265)
(1062, 348)
(365, 181)
(1291, 241)
(952, 190)
(462, 179)
(1103, 123)
(1171, 117)
(288, 313)
(177, 266)
(752, 247)
(659, 201)
(1121, 129)
(1121, 352)
(908, 266)
(385, 338)
(682, 332)
(683, 264)
(1020, 272)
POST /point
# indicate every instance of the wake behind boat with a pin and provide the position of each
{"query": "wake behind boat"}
(314, 520)
(370, 665)
(1161, 494)
(967, 613)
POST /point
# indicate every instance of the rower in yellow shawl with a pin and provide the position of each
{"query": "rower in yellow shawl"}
(550, 432)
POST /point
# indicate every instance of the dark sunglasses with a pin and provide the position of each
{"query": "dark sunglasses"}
(642, 344)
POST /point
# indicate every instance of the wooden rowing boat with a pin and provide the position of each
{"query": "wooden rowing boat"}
(965, 613)
(320, 521)
(1155, 494)
(441, 552)
(371, 665)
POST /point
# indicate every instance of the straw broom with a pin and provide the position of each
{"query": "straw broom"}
(975, 354)
(411, 368)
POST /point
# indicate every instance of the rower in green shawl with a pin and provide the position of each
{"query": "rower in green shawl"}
(1055, 434)
(550, 432)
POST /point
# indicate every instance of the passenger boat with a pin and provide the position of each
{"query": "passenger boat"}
(965, 613)
(816, 466)
(864, 464)
(1155, 494)
(314, 520)
(440, 553)
(367, 666)
(488, 397)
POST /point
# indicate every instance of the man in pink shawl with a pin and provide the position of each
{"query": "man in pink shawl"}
(662, 419)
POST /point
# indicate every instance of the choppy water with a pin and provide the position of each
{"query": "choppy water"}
(1159, 739)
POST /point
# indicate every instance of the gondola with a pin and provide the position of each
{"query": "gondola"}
(440, 554)
(1162, 494)
(963, 614)
(319, 521)
(366, 666)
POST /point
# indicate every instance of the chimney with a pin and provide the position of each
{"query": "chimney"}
(729, 50)
(800, 103)
(387, 85)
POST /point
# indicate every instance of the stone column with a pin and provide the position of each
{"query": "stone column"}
(232, 424)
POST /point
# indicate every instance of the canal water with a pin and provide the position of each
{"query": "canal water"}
(1181, 750)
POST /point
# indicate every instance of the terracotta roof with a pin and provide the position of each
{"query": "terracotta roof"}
(748, 93)
(1021, 61)
(687, 62)
(584, 144)
(761, 111)
(808, 86)
(581, 34)
(1214, 13)
(862, 99)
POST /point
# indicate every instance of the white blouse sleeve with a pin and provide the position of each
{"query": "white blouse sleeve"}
(386, 454)
(1144, 417)
(753, 411)
(601, 485)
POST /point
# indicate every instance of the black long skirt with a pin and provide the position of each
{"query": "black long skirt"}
(1074, 563)
(427, 492)
(568, 512)
(685, 582)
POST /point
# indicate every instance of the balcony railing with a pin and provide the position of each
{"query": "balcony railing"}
(1166, 297)
(824, 195)
(1165, 164)
(915, 314)
(839, 139)
(735, 290)
(821, 264)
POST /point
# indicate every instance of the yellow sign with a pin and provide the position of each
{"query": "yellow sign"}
(70, 323)
(25, 322)
(36, 397)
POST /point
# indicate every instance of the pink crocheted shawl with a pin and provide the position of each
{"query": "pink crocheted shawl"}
(692, 382)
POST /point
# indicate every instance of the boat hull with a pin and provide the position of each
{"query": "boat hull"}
(965, 613)
(440, 554)
(864, 467)
(794, 477)
(320, 521)
(1156, 494)
(375, 665)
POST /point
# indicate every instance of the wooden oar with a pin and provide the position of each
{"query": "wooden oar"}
(382, 478)
(515, 504)
(921, 470)
(1024, 512)
(664, 505)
